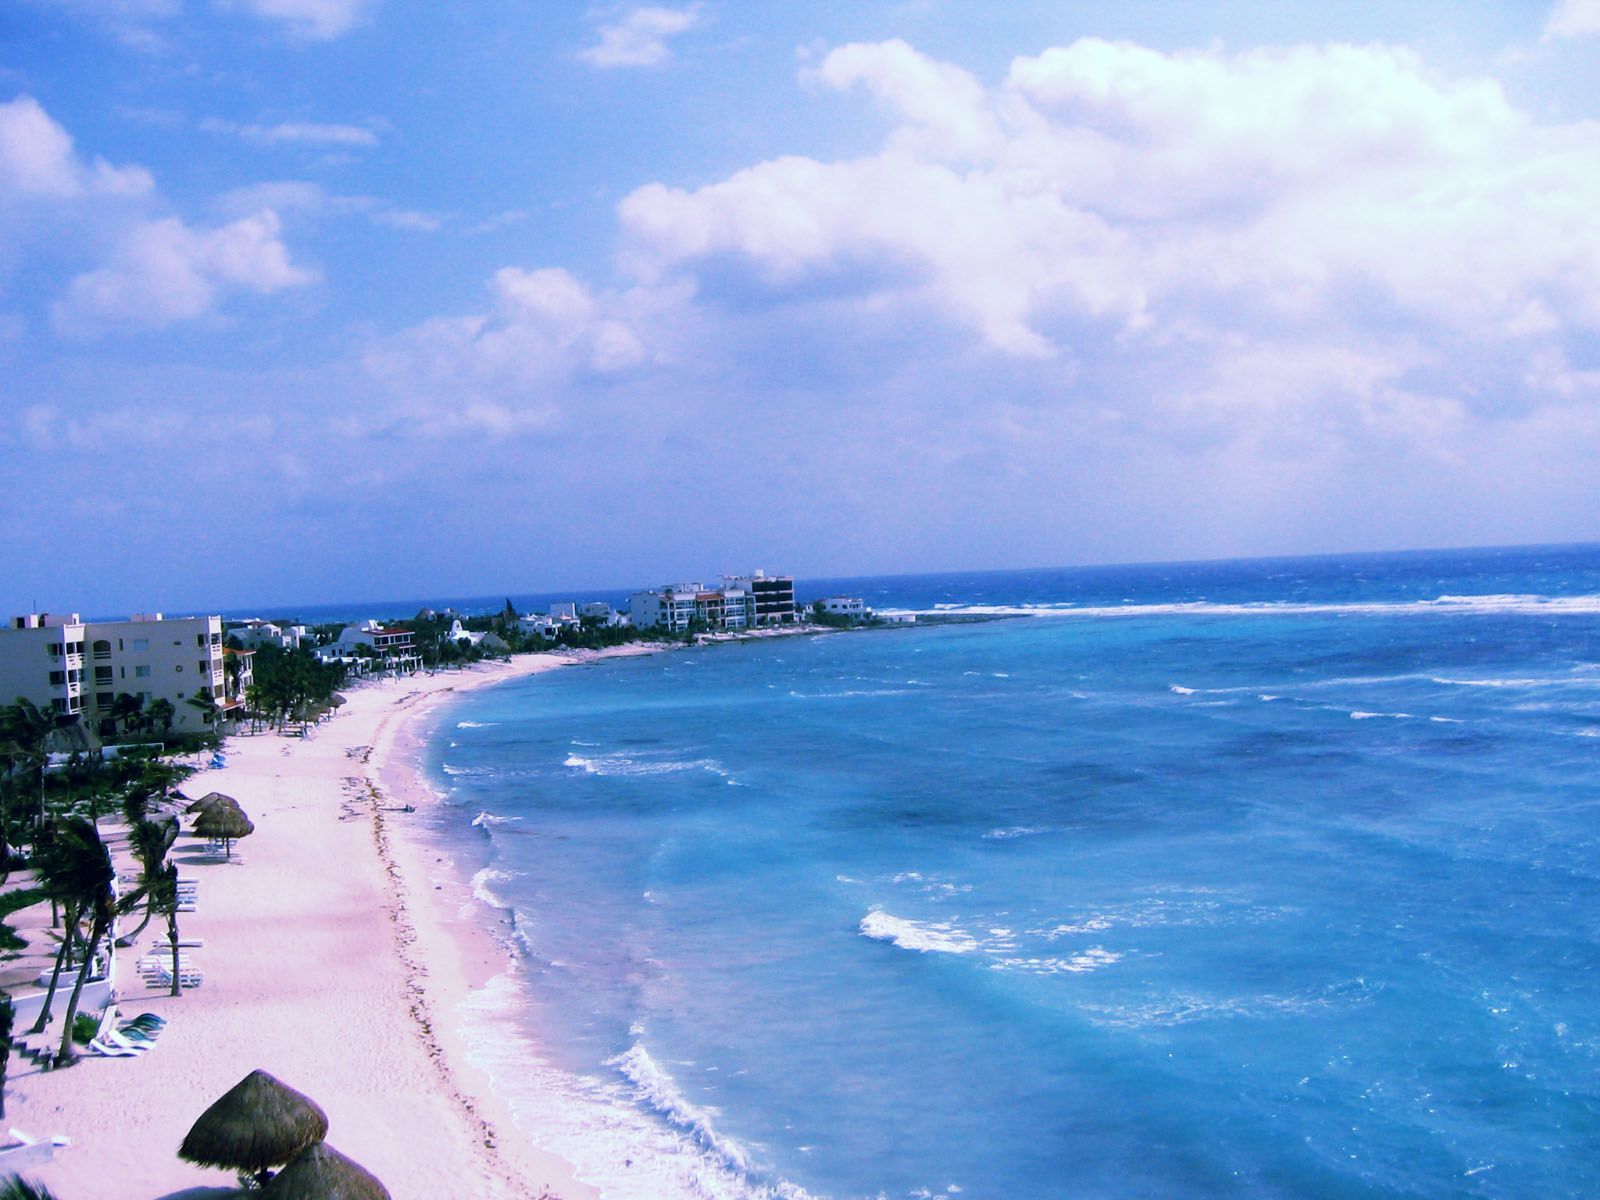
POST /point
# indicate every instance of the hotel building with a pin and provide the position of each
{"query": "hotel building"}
(78, 668)
(739, 602)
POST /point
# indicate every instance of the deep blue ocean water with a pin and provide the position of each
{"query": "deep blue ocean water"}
(1273, 878)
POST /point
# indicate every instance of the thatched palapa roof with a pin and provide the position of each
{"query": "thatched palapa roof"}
(320, 1172)
(209, 799)
(258, 1123)
(223, 821)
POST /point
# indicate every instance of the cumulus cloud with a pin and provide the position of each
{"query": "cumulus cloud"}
(1574, 18)
(315, 20)
(1105, 198)
(164, 271)
(499, 371)
(38, 161)
(639, 39)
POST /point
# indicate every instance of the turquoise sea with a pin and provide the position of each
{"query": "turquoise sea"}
(1268, 879)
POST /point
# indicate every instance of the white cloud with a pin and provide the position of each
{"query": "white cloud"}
(308, 133)
(1140, 191)
(639, 39)
(315, 20)
(163, 272)
(1574, 18)
(37, 160)
(499, 371)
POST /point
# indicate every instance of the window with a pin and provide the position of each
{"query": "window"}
(102, 674)
(142, 672)
(55, 649)
(141, 643)
(57, 678)
(104, 699)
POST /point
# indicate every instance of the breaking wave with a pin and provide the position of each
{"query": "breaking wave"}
(1485, 605)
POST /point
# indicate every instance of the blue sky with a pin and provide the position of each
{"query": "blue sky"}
(315, 300)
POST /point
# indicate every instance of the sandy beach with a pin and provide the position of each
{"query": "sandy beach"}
(337, 945)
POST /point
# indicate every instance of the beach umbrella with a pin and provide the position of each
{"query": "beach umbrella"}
(208, 800)
(225, 821)
(258, 1123)
(319, 1172)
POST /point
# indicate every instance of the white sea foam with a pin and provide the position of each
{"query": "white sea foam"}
(476, 724)
(1563, 681)
(618, 1135)
(1182, 1008)
(1368, 716)
(482, 887)
(486, 820)
(1181, 690)
(1485, 605)
(923, 936)
(1082, 963)
(621, 764)
(848, 693)
(1014, 831)
(1087, 925)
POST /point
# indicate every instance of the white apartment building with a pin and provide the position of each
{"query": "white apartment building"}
(599, 610)
(674, 607)
(670, 608)
(394, 648)
(78, 668)
(255, 633)
(772, 596)
(852, 607)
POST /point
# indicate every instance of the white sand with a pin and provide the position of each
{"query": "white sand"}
(335, 956)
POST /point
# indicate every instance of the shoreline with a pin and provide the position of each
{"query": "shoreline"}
(347, 985)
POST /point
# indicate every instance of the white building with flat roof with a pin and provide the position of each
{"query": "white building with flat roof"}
(256, 633)
(78, 668)
(393, 648)
(851, 607)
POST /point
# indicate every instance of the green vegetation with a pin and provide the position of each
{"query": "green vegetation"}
(84, 1027)
(292, 685)
(15, 901)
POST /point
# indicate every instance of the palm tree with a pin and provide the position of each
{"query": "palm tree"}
(127, 711)
(161, 714)
(18, 1188)
(149, 841)
(97, 877)
(8, 1013)
(23, 729)
(164, 899)
(74, 869)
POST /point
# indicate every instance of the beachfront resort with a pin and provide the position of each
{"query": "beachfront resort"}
(213, 894)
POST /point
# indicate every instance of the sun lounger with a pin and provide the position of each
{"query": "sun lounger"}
(158, 976)
(23, 1152)
(106, 1049)
(114, 1045)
